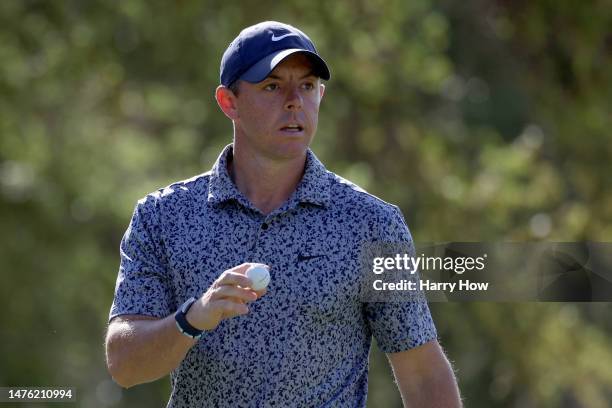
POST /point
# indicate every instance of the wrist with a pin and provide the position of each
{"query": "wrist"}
(183, 324)
(193, 315)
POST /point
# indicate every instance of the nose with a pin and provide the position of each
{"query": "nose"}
(294, 100)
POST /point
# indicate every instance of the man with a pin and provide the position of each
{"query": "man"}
(183, 304)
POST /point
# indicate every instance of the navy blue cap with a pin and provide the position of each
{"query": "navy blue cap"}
(258, 49)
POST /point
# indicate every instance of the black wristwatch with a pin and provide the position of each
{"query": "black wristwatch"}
(182, 323)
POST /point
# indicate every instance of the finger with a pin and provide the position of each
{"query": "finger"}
(228, 291)
(233, 278)
(245, 266)
(242, 268)
(262, 292)
(230, 308)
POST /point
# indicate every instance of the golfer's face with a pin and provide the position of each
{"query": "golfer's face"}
(278, 116)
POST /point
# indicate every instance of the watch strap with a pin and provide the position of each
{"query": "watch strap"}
(181, 320)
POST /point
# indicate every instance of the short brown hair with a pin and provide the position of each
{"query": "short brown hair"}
(234, 87)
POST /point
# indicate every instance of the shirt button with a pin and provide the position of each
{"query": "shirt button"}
(264, 226)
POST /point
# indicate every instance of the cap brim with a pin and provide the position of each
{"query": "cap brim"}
(262, 69)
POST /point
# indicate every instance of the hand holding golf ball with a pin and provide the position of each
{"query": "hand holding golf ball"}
(228, 295)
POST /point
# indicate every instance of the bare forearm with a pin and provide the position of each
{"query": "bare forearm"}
(425, 377)
(438, 392)
(144, 350)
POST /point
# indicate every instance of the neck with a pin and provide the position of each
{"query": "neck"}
(267, 183)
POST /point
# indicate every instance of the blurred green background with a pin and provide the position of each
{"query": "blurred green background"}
(482, 120)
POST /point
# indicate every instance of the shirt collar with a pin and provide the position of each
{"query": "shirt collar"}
(313, 188)
(221, 188)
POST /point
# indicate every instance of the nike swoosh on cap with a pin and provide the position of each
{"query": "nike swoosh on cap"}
(280, 37)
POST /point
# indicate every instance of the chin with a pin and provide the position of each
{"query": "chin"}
(291, 150)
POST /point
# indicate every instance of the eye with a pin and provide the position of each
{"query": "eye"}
(271, 87)
(308, 86)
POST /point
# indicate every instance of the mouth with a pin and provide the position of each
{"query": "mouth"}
(292, 128)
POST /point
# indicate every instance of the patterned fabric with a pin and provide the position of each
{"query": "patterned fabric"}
(306, 342)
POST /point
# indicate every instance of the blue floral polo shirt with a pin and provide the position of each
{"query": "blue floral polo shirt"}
(306, 342)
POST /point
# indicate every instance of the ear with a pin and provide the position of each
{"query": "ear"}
(321, 91)
(226, 101)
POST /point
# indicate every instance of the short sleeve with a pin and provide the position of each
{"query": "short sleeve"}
(143, 286)
(399, 325)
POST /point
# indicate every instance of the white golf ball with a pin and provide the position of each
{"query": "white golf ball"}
(259, 275)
